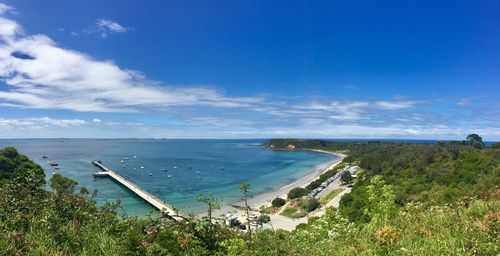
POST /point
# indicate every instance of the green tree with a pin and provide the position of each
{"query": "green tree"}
(278, 202)
(297, 193)
(310, 204)
(62, 184)
(381, 200)
(475, 140)
(211, 203)
(13, 164)
(245, 191)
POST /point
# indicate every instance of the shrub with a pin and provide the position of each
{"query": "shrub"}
(278, 202)
(299, 214)
(301, 226)
(309, 204)
(314, 184)
(297, 192)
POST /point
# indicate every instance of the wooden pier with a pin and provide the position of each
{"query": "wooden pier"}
(151, 199)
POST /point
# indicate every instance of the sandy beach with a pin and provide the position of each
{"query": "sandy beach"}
(265, 198)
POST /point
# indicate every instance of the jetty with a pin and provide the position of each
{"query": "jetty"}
(146, 196)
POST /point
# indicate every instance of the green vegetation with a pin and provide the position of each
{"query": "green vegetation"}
(297, 193)
(460, 229)
(309, 204)
(496, 145)
(245, 191)
(278, 202)
(300, 207)
(14, 165)
(291, 213)
(411, 199)
(326, 198)
(434, 174)
(475, 140)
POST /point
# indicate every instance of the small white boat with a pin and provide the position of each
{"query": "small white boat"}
(164, 169)
(175, 167)
(198, 172)
(142, 167)
(169, 176)
(123, 166)
(57, 167)
(135, 157)
(150, 174)
(53, 173)
(122, 161)
(126, 158)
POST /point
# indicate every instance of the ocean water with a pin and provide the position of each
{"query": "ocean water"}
(242, 160)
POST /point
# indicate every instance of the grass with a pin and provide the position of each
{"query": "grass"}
(325, 199)
(288, 212)
(293, 213)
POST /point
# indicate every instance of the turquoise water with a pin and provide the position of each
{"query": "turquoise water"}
(243, 160)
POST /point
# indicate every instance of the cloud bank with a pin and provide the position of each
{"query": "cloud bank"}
(41, 74)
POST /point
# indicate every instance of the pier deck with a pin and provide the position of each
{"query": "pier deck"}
(146, 196)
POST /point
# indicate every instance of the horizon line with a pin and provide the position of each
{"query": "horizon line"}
(269, 138)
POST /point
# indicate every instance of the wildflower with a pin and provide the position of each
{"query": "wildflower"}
(387, 235)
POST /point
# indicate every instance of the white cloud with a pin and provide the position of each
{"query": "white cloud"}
(105, 27)
(37, 121)
(8, 29)
(339, 110)
(96, 120)
(392, 105)
(6, 8)
(58, 78)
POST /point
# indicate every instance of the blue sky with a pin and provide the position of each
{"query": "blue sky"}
(250, 69)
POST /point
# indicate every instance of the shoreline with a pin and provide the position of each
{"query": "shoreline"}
(265, 198)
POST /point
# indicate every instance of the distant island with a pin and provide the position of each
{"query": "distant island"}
(389, 198)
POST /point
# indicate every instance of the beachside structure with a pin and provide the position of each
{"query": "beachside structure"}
(230, 219)
(351, 169)
(151, 199)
